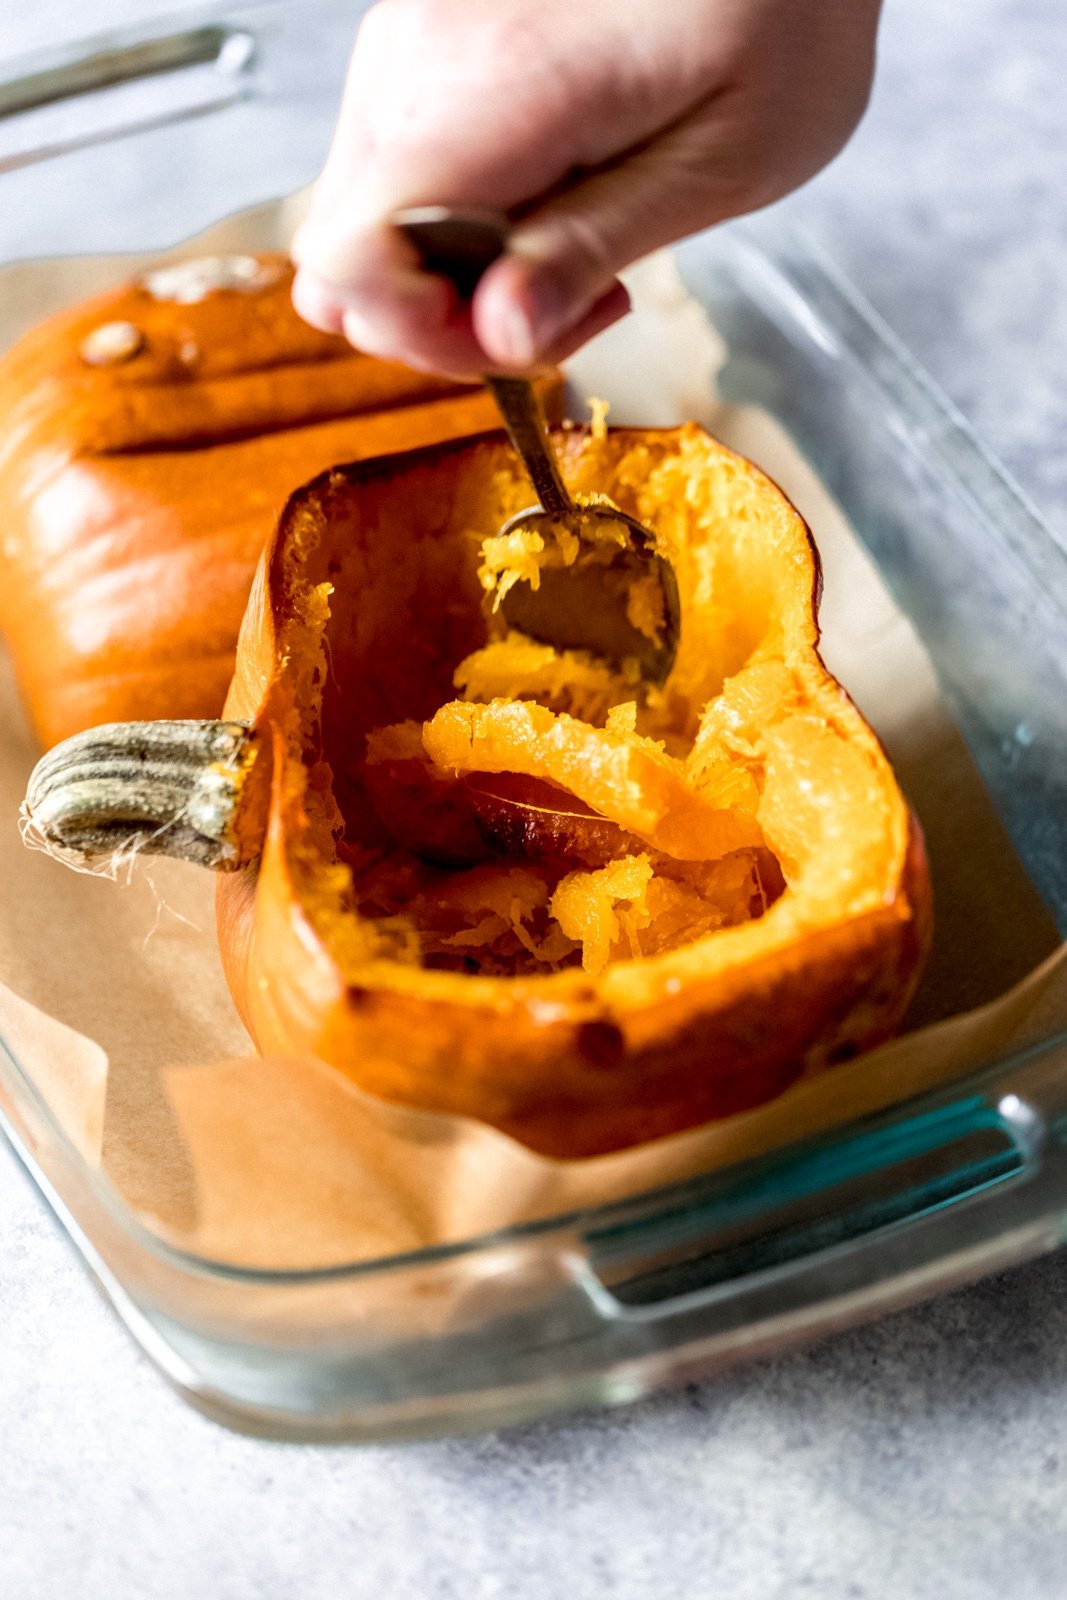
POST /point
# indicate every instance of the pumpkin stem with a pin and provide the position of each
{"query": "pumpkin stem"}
(167, 788)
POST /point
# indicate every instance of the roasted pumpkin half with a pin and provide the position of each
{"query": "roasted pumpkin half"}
(149, 439)
(483, 876)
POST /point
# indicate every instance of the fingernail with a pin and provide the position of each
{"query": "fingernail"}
(512, 336)
(525, 322)
(550, 311)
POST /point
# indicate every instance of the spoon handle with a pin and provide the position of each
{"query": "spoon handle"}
(520, 408)
(461, 245)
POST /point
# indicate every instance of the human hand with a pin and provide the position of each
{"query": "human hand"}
(605, 128)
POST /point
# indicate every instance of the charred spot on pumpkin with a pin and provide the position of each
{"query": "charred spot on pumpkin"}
(600, 1044)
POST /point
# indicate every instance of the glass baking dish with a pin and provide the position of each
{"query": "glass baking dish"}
(600, 1305)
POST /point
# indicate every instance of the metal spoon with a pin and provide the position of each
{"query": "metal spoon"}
(576, 607)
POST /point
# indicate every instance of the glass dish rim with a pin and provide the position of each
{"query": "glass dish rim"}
(993, 495)
(661, 1198)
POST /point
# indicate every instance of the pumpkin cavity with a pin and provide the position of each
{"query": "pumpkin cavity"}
(497, 806)
(536, 946)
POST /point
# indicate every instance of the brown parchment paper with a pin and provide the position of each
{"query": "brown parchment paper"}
(113, 999)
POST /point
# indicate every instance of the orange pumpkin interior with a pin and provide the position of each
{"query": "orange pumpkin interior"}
(613, 830)
(524, 845)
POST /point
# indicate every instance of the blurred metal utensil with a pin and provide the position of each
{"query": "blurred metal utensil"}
(568, 608)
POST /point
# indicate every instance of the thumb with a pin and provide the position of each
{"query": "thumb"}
(564, 256)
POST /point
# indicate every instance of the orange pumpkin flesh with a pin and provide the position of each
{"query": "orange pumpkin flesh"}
(148, 441)
(739, 870)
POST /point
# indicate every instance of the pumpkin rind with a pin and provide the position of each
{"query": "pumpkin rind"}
(574, 1065)
(148, 440)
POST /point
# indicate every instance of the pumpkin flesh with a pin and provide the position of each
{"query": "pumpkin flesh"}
(140, 480)
(512, 886)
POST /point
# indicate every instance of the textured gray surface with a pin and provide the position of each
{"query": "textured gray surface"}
(925, 1456)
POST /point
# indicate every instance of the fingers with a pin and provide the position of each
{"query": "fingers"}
(517, 326)
(445, 342)
(492, 102)
(745, 146)
(317, 303)
(610, 308)
(563, 259)
(608, 128)
(559, 276)
(555, 285)
(472, 102)
(386, 306)
(378, 297)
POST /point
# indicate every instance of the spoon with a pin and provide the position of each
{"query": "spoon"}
(582, 606)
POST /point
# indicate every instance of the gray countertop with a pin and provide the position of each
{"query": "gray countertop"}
(923, 1456)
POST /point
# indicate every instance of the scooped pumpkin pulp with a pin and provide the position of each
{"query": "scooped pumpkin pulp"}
(518, 883)
(556, 811)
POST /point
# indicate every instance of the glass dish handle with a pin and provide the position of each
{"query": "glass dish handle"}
(912, 1200)
(116, 84)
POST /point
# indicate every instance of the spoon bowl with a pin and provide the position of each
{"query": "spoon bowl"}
(586, 602)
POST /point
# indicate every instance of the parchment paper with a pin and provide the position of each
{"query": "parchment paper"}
(114, 1003)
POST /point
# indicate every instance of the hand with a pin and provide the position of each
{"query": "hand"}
(605, 128)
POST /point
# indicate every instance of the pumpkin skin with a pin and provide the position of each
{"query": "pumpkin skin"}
(570, 1063)
(149, 439)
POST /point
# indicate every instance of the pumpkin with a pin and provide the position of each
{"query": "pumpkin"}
(482, 876)
(148, 440)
